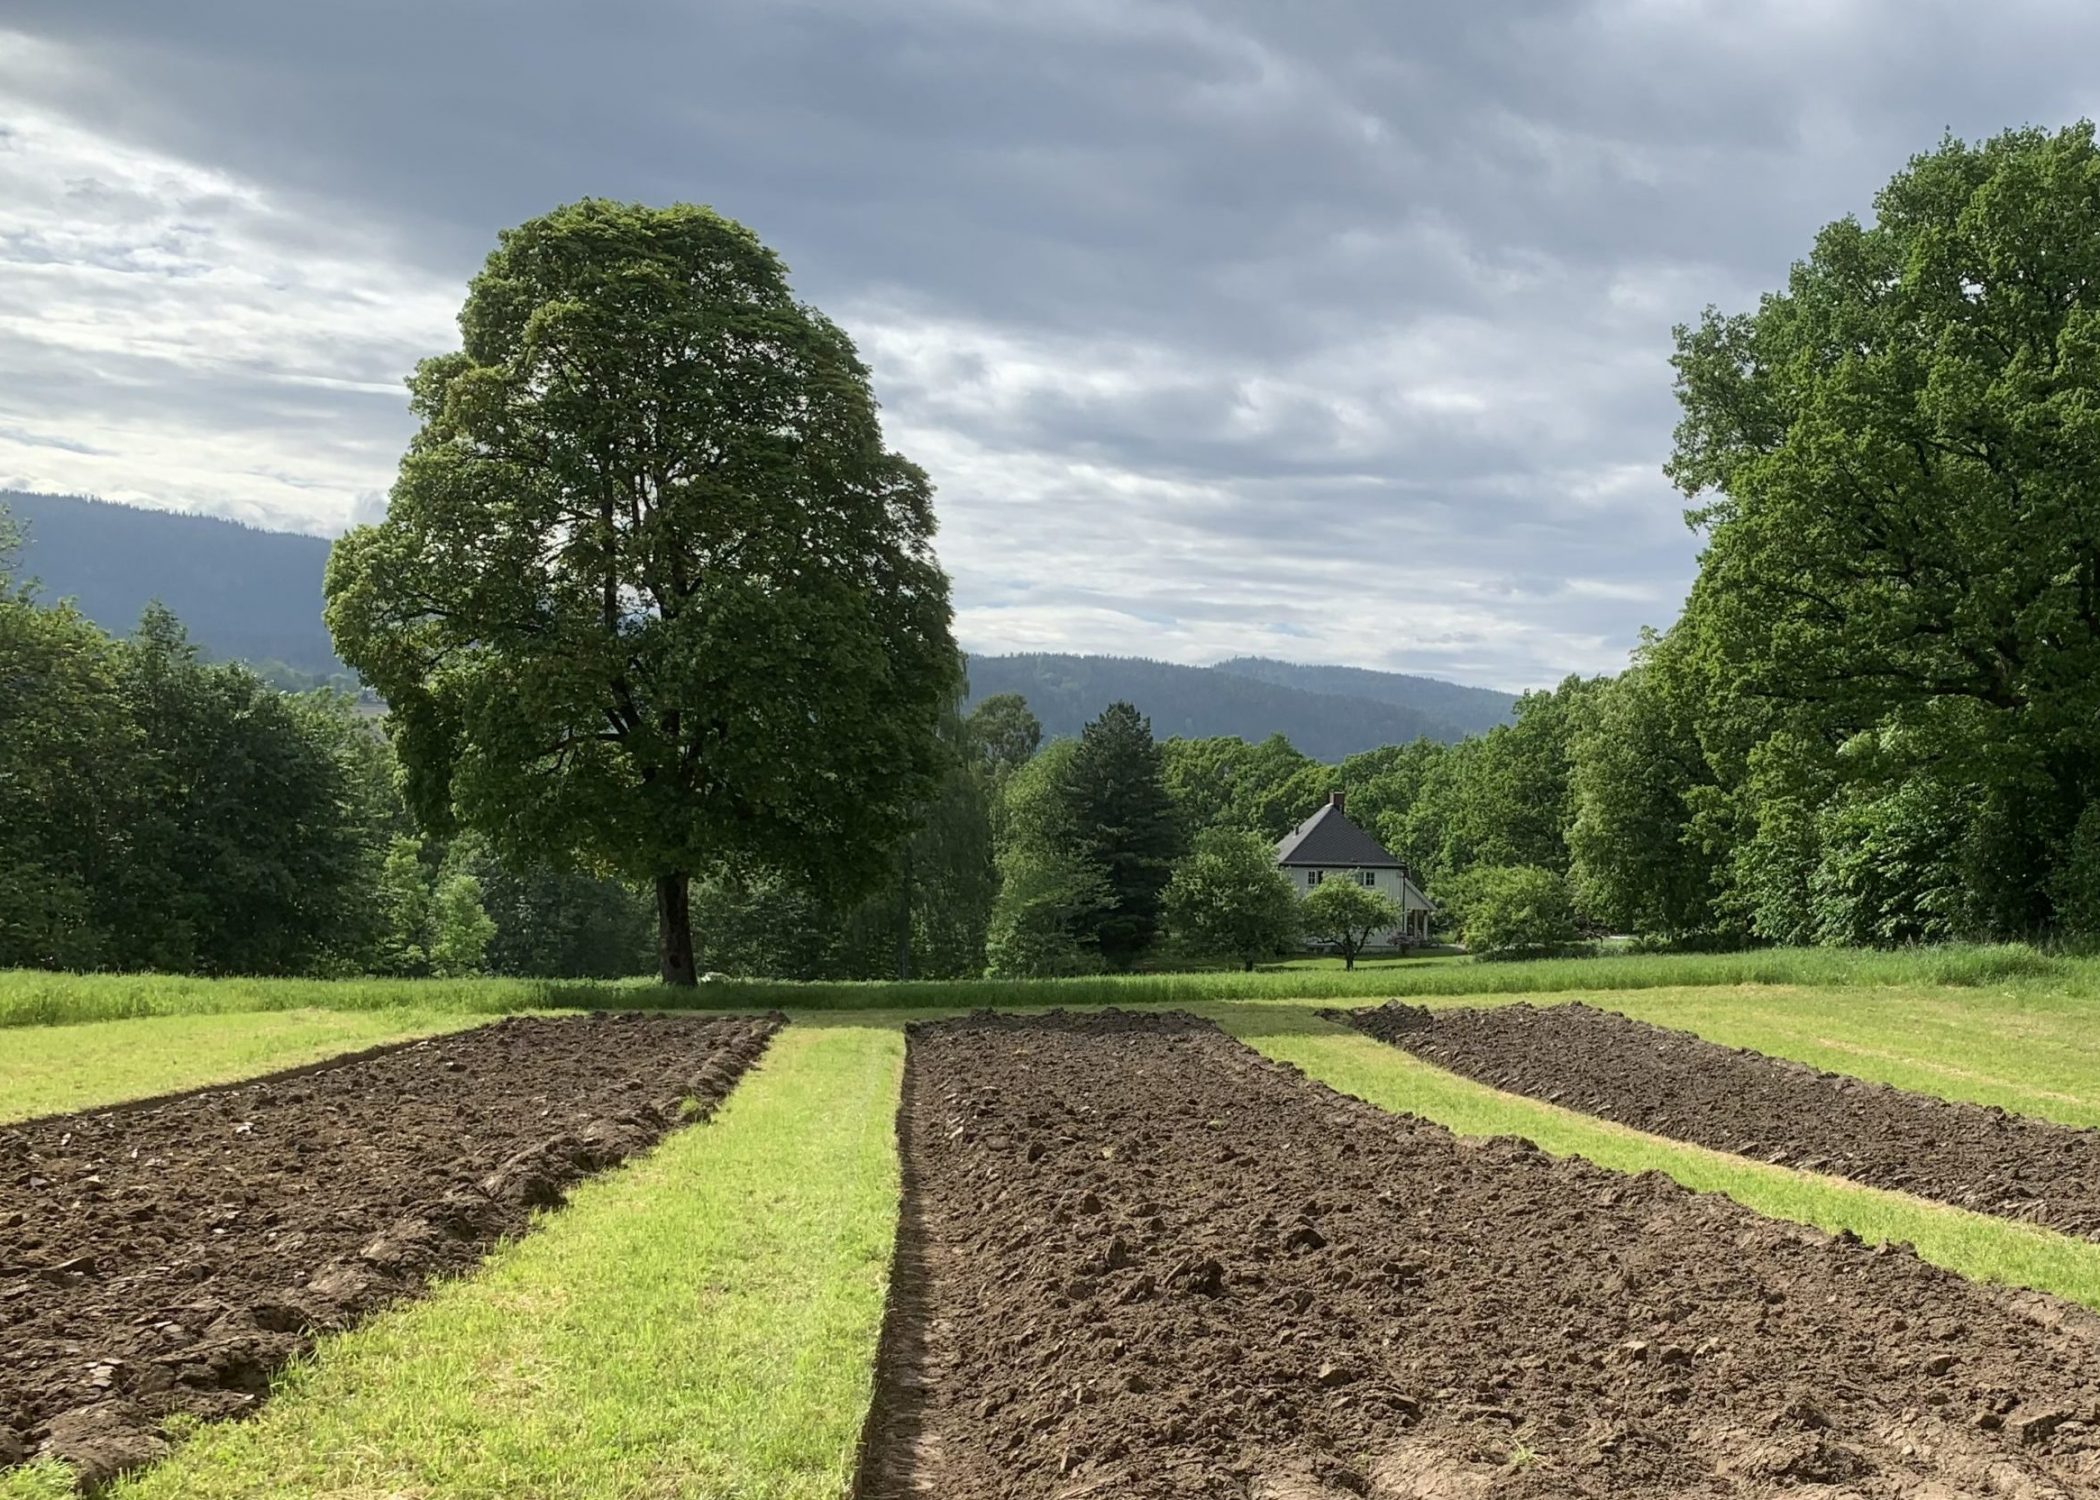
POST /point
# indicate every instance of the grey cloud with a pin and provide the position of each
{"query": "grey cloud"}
(1365, 305)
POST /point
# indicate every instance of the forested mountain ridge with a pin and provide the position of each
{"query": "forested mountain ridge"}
(244, 594)
(1473, 710)
(1203, 702)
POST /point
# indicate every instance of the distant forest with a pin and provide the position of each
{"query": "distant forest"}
(1325, 712)
(254, 596)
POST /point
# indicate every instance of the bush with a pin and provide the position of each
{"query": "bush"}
(1513, 910)
(1229, 900)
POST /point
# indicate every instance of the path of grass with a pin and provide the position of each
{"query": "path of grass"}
(37, 999)
(699, 1324)
(1976, 1245)
(46, 1070)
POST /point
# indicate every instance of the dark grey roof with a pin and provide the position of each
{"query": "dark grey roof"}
(1329, 838)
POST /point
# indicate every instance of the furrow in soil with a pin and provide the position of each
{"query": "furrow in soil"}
(1771, 1109)
(1149, 1262)
(169, 1259)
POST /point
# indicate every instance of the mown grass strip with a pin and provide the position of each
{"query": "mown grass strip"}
(50, 1070)
(701, 1323)
(1975, 1245)
(31, 998)
(2034, 1054)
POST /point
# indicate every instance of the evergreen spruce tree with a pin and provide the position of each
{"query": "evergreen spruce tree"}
(1125, 828)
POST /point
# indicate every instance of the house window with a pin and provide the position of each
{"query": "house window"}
(1312, 878)
(1367, 878)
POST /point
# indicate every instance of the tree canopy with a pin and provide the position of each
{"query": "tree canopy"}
(651, 594)
(1228, 899)
(1894, 635)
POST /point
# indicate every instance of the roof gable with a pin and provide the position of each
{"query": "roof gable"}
(1329, 838)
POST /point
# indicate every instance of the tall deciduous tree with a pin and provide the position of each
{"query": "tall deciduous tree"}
(1893, 459)
(1123, 822)
(1005, 731)
(651, 593)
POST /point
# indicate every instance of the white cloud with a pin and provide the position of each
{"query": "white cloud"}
(170, 336)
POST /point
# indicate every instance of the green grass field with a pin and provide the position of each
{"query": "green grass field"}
(700, 1322)
(51, 1069)
(32, 998)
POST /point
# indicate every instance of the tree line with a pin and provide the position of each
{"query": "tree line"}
(158, 811)
(654, 602)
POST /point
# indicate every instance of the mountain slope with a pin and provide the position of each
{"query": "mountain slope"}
(1474, 710)
(255, 596)
(1066, 691)
(244, 593)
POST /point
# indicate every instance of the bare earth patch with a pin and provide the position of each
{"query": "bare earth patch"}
(169, 1258)
(1140, 1260)
(1679, 1085)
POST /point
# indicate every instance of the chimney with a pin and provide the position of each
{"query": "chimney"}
(1334, 800)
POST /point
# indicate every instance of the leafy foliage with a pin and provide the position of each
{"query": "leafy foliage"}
(1228, 899)
(1346, 914)
(1896, 624)
(651, 595)
(1516, 910)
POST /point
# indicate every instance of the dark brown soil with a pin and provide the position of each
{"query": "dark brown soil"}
(1143, 1261)
(1679, 1085)
(169, 1259)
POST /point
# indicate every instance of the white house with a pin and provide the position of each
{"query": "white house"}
(1327, 846)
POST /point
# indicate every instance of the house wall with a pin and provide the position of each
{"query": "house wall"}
(1415, 924)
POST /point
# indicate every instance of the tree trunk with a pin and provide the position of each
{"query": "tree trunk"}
(674, 929)
(904, 915)
(1348, 955)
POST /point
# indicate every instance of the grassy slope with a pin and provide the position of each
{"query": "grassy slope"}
(29, 998)
(44, 1070)
(1975, 1245)
(701, 1323)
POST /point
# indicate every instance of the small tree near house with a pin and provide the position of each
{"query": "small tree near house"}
(1345, 914)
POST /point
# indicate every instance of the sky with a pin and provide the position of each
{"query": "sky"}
(1337, 332)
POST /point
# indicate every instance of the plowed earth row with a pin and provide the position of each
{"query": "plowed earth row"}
(168, 1259)
(1140, 1260)
(1679, 1085)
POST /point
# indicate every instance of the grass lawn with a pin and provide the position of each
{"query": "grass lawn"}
(1976, 1245)
(30, 998)
(49, 1069)
(2034, 1051)
(701, 1323)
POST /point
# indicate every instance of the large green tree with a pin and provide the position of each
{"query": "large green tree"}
(1228, 899)
(1005, 731)
(651, 594)
(1892, 458)
(1347, 915)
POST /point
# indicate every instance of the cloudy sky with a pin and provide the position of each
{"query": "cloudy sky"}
(1333, 331)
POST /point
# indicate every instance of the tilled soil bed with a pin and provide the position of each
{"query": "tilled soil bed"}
(1140, 1260)
(168, 1259)
(1679, 1085)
